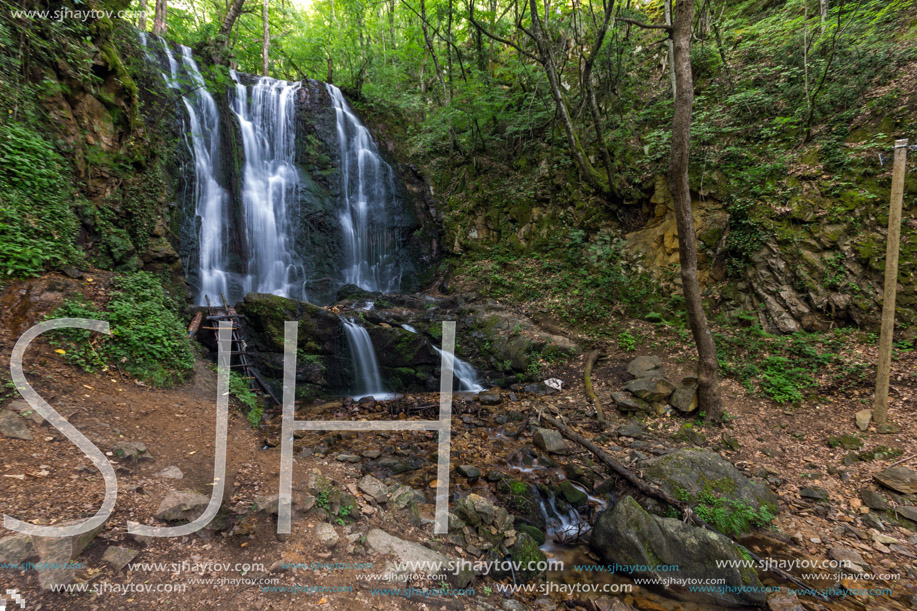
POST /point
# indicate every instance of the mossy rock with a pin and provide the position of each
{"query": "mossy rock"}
(523, 500)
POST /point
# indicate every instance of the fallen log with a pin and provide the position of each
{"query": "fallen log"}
(657, 493)
(591, 359)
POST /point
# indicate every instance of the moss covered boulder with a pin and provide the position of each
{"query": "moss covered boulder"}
(628, 535)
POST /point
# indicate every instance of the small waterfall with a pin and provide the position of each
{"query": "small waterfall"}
(465, 373)
(211, 199)
(266, 113)
(368, 185)
(368, 380)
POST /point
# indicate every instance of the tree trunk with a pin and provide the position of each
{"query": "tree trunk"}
(823, 8)
(707, 379)
(159, 18)
(668, 44)
(266, 40)
(429, 43)
(590, 94)
(231, 15)
(573, 141)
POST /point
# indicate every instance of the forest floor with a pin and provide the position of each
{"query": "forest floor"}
(46, 479)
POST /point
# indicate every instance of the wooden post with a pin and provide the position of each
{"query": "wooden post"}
(880, 409)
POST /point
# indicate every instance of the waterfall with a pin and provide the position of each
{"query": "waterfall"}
(465, 373)
(365, 366)
(367, 182)
(211, 200)
(266, 114)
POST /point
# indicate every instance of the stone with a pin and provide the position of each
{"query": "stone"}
(684, 399)
(490, 397)
(131, 450)
(350, 458)
(371, 454)
(373, 488)
(25, 410)
(326, 535)
(60, 551)
(573, 495)
(816, 493)
(475, 510)
(401, 496)
(469, 472)
(863, 418)
(888, 428)
(15, 548)
(846, 555)
(549, 440)
(172, 472)
(396, 466)
(13, 426)
(626, 402)
(186, 505)
(900, 479)
(873, 521)
(407, 552)
(652, 389)
(119, 557)
(873, 499)
(729, 441)
(784, 600)
(267, 503)
(626, 534)
(632, 429)
(644, 366)
(690, 471)
(907, 511)
(540, 388)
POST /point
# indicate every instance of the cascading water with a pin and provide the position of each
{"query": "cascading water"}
(363, 356)
(465, 374)
(266, 114)
(367, 185)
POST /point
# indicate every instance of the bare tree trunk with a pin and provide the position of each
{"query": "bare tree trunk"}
(668, 44)
(429, 43)
(159, 18)
(823, 8)
(266, 39)
(707, 379)
(231, 15)
(576, 149)
(141, 21)
(590, 93)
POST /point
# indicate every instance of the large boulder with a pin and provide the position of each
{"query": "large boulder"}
(628, 535)
(415, 554)
(900, 479)
(687, 473)
(652, 389)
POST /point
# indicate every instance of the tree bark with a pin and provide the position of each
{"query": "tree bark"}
(266, 40)
(159, 18)
(231, 15)
(668, 43)
(429, 43)
(707, 379)
(590, 93)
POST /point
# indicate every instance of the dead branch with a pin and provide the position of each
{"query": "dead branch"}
(657, 493)
(591, 358)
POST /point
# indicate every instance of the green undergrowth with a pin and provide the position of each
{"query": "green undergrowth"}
(148, 338)
(791, 368)
(729, 516)
(579, 280)
(240, 390)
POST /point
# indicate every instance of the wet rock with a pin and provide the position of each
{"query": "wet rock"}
(172, 472)
(900, 479)
(61, 551)
(14, 427)
(573, 495)
(533, 531)
(119, 557)
(684, 398)
(527, 553)
(628, 535)
(131, 450)
(396, 466)
(873, 499)
(653, 389)
(694, 471)
(407, 552)
(326, 535)
(645, 366)
(550, 441)
(815, 493)
(522, 499)
(349, 458)
(185, 505)
(863, 418)
(373, 488)
(626, 402)
(469, 472)
(490, 397)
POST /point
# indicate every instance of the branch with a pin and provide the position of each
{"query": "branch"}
(648, 26)
(482, 30)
